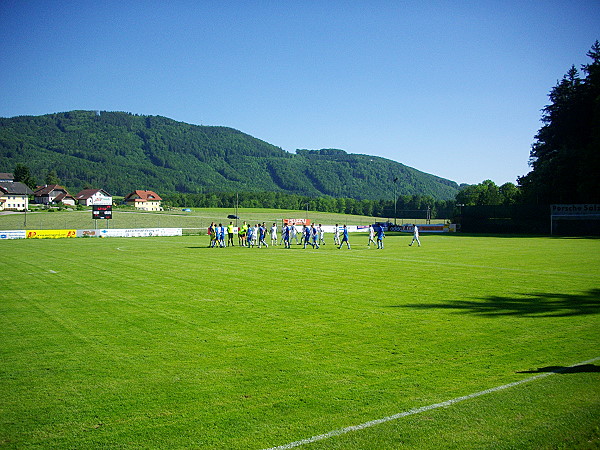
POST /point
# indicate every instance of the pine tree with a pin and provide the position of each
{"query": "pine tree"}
(565, 155)
(23, 175)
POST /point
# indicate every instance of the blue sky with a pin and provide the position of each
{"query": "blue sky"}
(450, 88)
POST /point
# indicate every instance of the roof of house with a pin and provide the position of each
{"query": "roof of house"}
(87, 193)
(60, 197)
(7, 177)
(47, 189)
(143, 196)
(15, 188)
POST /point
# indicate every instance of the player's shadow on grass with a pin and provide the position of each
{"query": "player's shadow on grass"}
(583, 368)
(527, 305)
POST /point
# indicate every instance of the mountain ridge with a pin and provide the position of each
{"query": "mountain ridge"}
(121, 152)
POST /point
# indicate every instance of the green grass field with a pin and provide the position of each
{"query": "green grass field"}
(164, 343)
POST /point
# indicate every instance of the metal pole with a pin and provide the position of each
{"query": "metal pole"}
(395, 198)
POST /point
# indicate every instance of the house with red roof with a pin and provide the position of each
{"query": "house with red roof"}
(144, 200)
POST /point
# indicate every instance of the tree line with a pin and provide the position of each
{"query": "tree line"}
(406, 206)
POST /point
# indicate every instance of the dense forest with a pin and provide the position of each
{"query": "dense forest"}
(120, 152)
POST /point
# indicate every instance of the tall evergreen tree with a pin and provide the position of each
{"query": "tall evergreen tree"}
(590, 180)
(565, 155)
(52, 178)
(23, 174)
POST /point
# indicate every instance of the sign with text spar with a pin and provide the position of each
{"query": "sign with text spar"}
(296, 221)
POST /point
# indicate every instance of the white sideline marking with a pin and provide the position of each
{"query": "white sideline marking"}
(420, 410)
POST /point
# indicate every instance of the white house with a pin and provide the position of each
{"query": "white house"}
(90, 197)
(14, 196)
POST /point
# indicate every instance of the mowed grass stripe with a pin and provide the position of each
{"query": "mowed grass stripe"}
(169, 343)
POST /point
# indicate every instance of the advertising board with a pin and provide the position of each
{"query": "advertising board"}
(429, 228)
(131, 232)
(585, 209)
(101, 200)
(296, 221)
(50, 234)
(13, 234)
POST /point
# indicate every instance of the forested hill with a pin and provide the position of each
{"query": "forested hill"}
(120, 152)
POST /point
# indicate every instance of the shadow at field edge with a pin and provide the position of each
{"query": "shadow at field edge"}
(584, 368)
(526, 305)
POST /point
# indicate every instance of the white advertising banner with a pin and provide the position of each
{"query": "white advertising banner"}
(425, 228)
(430, 228)
(575, 210)
(13, 234)
(99, 199)
(130, 232)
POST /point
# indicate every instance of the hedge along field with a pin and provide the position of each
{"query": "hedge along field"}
(162, 342)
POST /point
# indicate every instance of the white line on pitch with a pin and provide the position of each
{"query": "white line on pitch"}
(410, 412)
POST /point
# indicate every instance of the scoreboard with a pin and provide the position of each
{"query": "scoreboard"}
(102, 212)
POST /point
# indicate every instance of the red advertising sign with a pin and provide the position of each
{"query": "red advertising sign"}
(296, 221)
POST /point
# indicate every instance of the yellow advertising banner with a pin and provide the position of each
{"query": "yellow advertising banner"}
(51, 234)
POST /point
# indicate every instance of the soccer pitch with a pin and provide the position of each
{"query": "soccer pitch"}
(163, 342)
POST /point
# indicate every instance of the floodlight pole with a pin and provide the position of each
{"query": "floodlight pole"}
(460, 211)
(236, 208)
(395, 198)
